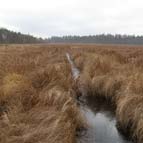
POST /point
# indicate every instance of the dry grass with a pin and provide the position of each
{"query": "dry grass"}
(54, 119)
(36, 102)
(115, 73)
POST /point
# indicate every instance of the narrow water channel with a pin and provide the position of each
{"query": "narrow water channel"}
(101, 125)
(99, 116)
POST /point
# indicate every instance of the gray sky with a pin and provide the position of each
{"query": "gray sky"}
(46, 18)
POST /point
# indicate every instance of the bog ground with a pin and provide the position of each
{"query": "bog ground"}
(38, 96)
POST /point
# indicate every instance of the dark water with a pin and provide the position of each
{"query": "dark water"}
(101, 125)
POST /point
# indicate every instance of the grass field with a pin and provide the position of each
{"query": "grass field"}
(37, 92)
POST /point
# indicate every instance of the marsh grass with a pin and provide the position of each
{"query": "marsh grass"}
(35, 100)
(38, 95)
(116, 76)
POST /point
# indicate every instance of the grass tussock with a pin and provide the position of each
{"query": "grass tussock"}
(13, 82)
(129, 114)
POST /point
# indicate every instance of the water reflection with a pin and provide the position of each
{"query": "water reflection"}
(101, 127)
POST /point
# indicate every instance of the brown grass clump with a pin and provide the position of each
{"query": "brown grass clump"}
(13, 82)
(17, 90)
(107, 86)
(51, 75)
(129, 115)
(134, 83)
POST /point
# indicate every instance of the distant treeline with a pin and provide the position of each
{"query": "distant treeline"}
(7, 37)
(99, 39)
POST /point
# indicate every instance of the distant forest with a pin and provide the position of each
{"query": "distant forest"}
(7, 37)
(99, 39)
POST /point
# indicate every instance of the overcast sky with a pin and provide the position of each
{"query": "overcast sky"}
(47, 18)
